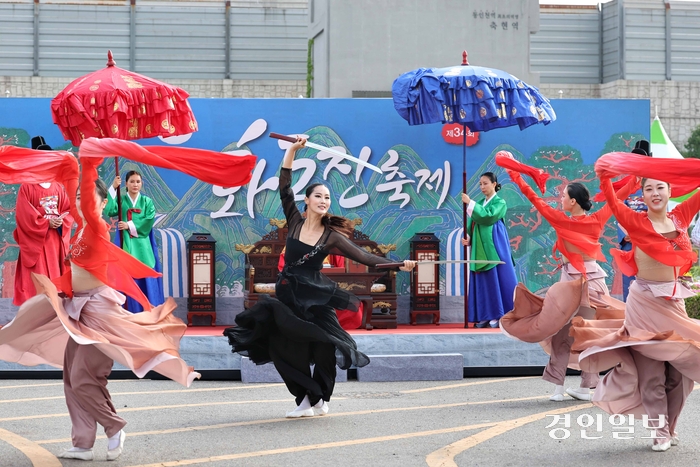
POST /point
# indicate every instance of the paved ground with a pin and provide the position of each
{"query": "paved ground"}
(473, 422)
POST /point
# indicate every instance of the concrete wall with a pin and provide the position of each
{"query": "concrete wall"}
(677, 102)
(366, 44)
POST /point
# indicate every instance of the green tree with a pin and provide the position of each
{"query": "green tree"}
(692, 146)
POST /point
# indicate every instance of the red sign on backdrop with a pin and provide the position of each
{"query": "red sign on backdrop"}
(453, 133)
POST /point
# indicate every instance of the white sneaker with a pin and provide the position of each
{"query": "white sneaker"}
(558, 395)
(113, 454)
(582, 394)
(321, 408)
(86, 455)
(298, 413)
(661, 447)
(675, 441)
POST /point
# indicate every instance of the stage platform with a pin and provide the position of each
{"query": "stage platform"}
(485, 352)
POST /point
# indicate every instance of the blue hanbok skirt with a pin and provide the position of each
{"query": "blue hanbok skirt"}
(491, 291)
(152, 287)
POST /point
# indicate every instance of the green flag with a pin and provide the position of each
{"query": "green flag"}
(661, 145)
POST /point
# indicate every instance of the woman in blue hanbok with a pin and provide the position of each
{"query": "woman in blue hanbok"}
(491, 286)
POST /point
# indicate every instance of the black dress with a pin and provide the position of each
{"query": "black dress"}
(300, 327)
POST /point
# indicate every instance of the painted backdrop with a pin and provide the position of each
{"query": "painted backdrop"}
(418, 190)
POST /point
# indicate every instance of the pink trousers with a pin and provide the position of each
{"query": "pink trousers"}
(85, 374)
(555, 371)
(661, 388)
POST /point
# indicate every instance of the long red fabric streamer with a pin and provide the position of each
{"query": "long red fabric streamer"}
(211, 167)
(682, 174)
(506, 160)
(23, 165)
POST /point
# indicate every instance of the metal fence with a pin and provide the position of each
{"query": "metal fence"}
(161, 39)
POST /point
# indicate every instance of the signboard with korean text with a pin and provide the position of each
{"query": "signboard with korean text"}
(417, 191)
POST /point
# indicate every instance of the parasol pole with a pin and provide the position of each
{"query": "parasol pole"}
(112, 63)
(464, 220)
(119, 204)
(464, 211)
(119, 217)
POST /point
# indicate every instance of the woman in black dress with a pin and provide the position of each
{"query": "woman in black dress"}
(300, 327)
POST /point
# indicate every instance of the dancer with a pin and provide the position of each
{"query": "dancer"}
(135, 224)
(43, 231)
(490, 285)
(348, 319)
(300, 327)
(577, 241)
(86, 332)
(655, 350)
(635, 202)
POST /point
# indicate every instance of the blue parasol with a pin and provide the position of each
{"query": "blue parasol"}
(479, 98)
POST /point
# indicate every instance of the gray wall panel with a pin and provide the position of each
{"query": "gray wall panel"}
(567, 48)
(16, 40)
(171, 40)
(268, 44)
(74, 39)
(645, 43)
(178, 42)
(611, 43)
(685, 45)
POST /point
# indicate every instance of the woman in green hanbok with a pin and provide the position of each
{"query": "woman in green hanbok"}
(136, 225)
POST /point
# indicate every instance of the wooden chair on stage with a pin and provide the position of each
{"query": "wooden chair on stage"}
(376, 289)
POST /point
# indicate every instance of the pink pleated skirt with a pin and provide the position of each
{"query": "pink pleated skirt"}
(656, 326)
(536, 319)
(141, 342)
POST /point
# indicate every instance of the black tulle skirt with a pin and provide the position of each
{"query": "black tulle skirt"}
(304, 312)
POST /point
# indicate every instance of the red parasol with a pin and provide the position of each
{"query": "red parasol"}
(117, 103)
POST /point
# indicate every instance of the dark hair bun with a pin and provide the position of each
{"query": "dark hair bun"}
(498, 186)
(580, 193)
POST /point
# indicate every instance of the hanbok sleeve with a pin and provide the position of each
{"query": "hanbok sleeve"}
(341, 245)
(627, 218)
(548, 212)
(688, 208)
(64, 212)
(494, 211)
(603, 214)
(143, 222)
(291, 212)
(89, 201)
(31, 227)
(111, 210)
